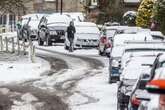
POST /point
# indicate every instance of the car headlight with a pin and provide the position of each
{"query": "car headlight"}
(115, 63)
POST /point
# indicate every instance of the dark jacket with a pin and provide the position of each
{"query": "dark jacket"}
(71, 31)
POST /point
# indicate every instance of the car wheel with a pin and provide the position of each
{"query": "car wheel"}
(110, 79)
(108, 55)
(40, 42)
(101, 53)
(48, 42)
(66, 47)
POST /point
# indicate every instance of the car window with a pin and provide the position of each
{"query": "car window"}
(142, 84)
(110, 33)
(162, 64)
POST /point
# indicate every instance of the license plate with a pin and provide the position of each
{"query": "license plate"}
(62, 37)
(53, 32)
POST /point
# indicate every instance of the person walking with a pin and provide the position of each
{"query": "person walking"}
(70, 35)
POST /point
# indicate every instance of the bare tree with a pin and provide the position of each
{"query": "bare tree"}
(12, 6)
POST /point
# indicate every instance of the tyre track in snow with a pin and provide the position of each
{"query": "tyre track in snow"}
(67, 87)
(50, 99)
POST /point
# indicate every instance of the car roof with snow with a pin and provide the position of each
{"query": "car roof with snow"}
(85, 24)
(86, 27)
(146, 47)
(116, 27)
(157, 33)
(58, 18)
(135, 68)
(119, 39)
(76, 16)
(34, 16)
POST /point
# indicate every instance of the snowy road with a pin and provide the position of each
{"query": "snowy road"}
(79, 80)
(84, 86)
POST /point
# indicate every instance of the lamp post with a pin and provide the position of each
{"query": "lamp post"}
(61, 7)
(56, 5)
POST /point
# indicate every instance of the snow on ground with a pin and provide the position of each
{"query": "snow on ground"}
(60, 48)
(93, 92)
(19, 68)
(97, 87)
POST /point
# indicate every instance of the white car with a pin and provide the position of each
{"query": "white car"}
(119, 42)
(132, 71)
(86, 36)
(140, 48)
(76, 16)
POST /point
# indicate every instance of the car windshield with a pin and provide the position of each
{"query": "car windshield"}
(145, 50)
(110, 33)
(129, 82)
(56, 23)
(87, 30)
(142, 85)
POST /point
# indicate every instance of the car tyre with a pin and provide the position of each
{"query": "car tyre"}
(40, 42)
(48, 41)
(66, 47)
(101, 53)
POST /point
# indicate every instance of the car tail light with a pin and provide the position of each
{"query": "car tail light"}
(104, 39)
(135, 101)
(109, 45)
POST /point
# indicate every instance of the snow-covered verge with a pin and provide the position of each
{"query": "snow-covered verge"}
(19, 68)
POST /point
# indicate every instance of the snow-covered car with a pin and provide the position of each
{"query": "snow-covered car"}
(105, 42)
(31, 22)
(86, 36)
(156, 85)
(119, 43)
(76, 16)
(157, 35)
(131, 73)
(53, 28)
(141, 48)
(139, 92)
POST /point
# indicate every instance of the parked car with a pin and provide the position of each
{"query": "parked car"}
(105, 42)
(139, 92)
(86, 36)
(107, 37)
(30, 24)
(156, 85)
(136, 60)
(134, 68)
(157, 35)
(141, 48)
(119, 43)
(52, 29)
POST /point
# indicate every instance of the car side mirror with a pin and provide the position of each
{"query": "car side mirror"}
(156, 86)
(150, 65)
(143, 98)
(121, 77)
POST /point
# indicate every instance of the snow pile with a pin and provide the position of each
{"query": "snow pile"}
(19, 68)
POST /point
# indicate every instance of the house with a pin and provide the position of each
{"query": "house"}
(8, 20)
